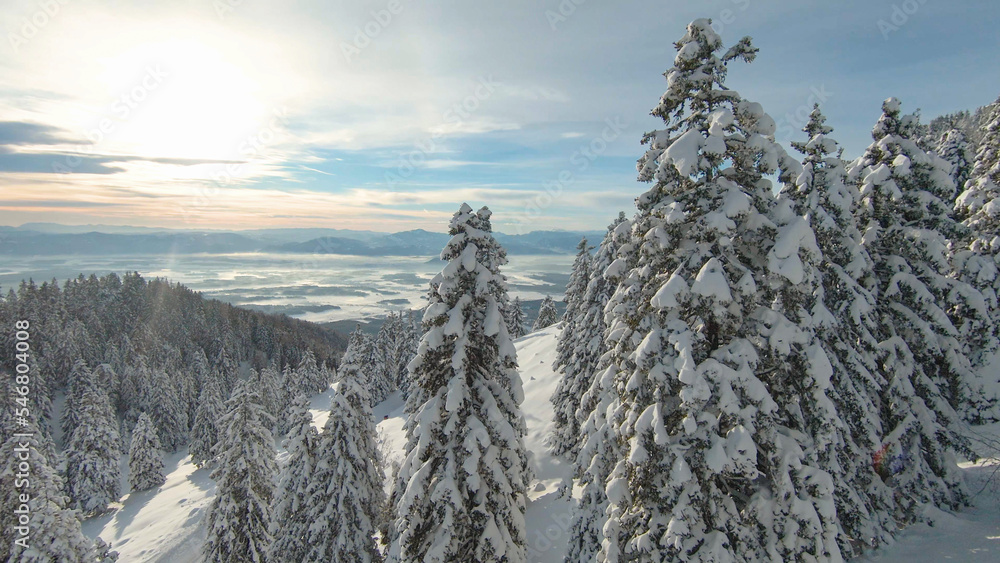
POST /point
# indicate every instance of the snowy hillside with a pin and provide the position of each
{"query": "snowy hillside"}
(167, 524)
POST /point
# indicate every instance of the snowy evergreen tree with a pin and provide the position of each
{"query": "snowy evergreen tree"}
(228, 367)
(582, 343)
(239, 516)
(955, 150)
(383, 360)
(712, 467)
(93, 453)
(406, 349)
(54, 533)
(577, 286)
(272, 394)
(397, 343)
(597, 450)
(515, 318)
(145, 465)
(291, 517)
(81, 380)
(311, 379)
(987, 163)
(977, 257)
(206, 432)
(842, 317)
(168, 413)
(905, 217)
(363, 353)
(103, 552)
(348, 498)
(566, 398)
(460, 494)
(136, 380)
(547, 314)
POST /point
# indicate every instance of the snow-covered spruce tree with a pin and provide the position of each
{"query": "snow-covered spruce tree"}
(712, 467)
(566, 399)
(241, 511)
(577, 286)
(357, 342)
(987, 162)
(584, 343)
(385, 341)
(547, 314)
(227, 366)
(80, 380)
(381, 362)
(105, 377)
(598, 452)
(93, 454)
(409, 339)
(842, 318)
(290, 517)
(273, 395)
(103, 552)
(136, 381)
(347, 499)
(928, 376)
(590, 347)
(977, 258)
(515, 318)
(54, 533)
(144, 463)
(206, 432)
(954, 148)
(307, 375)
(460, 494)
(375, 366)
(363, 352)
(169, 414)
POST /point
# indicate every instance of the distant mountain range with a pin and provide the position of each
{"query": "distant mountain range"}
(50, 239)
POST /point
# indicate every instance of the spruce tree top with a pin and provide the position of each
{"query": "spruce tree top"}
(822, 194)
(979, 204)
(713, 138)
(904, 187)
(472, 273)
(988, 156)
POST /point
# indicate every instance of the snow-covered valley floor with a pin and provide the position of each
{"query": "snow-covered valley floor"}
(166, 524)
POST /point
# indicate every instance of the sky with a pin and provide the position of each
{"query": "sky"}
(387, 115)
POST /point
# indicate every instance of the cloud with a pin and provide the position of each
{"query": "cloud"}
(77, 163)
(56, 163)
(27, 133)
(34, 203)
(492, 99)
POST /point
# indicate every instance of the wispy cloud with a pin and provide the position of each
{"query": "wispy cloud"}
(168, 114)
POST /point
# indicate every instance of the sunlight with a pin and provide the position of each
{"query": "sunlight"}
(181, 98)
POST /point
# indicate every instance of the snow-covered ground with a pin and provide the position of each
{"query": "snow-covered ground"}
(166, 524)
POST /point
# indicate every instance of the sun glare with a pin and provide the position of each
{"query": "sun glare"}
(181, 99)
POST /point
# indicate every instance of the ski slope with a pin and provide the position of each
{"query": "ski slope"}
(166, 524)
